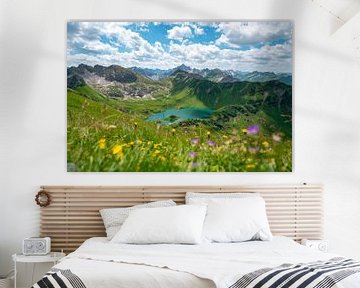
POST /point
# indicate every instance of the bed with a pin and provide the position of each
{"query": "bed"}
(99, 263)
(295, 211)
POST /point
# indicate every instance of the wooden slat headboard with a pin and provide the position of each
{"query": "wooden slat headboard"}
(73, 215)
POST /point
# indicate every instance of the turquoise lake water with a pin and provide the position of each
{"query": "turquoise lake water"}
(181, 114)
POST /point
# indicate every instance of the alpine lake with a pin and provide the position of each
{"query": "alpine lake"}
(170, 116)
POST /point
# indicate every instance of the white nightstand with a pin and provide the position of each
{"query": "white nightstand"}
(53, 257)
(320, 245)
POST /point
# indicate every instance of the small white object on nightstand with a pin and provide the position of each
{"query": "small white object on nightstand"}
(320, 245)
(53, 257)
(36, 246)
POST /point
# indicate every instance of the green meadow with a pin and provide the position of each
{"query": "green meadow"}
(249, 130)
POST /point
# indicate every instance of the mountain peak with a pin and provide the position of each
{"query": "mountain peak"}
(183, 67)
(111, 73)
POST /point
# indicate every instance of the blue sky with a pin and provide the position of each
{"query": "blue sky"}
(244, 46)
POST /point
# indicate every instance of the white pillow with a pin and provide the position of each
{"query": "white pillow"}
(113, 218)
(204, 198)
(180, 224)
(236, 220)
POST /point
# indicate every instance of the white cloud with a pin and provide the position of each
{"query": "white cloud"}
(194, 52)
(196, 27)
(199, 31)
(275, 58)
(179, 33)
(127, 48)
(235, 34)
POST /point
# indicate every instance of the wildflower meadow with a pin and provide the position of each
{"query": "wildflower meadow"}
(101, 138)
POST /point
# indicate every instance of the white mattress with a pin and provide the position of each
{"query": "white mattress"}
(122, 275)
(111, 274)
(102, 264)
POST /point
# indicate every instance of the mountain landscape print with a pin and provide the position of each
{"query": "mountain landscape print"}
(179, 96)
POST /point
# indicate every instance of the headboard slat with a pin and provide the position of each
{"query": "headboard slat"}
(73, 216)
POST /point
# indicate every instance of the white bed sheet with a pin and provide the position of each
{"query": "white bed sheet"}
(109, 274)
(100, 263)
(101, 274)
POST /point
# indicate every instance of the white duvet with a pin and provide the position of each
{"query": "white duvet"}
(100, 263)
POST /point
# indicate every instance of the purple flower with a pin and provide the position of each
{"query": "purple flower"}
(195, 141)
(211, 143)
(194, 164)
(253, 129)
(193, 154)
(254, 149)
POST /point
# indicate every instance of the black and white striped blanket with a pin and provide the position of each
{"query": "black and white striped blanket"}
(57, 278)
(320, 274)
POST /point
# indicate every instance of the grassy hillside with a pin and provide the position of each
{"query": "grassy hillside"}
(113, 135)
(89, 92)
(217, 95)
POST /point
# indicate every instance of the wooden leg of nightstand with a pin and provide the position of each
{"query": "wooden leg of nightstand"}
(32, 274)
(15, 273)
(26, 272)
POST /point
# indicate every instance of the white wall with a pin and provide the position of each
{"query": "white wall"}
(33, 111)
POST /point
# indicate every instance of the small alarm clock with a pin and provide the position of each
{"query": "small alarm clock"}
(36, 246)
(320, 245)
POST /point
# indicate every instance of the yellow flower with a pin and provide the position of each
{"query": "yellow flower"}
(149, 142)
(139, 142)
(162, 158)
(244, 130)
(102, 143)
(131, 143)
(208, 133)
(265, 144)
(173, 130)
(157, 146)
(136, 124)
(225, 137)
(250, 166)
(242, 148)
(118, 150)
(157, 152)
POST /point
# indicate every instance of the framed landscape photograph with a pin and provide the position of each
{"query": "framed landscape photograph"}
(179, 96)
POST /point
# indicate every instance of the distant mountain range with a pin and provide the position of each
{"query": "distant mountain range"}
(113, 81)
(272, 93)
(215, 88)
(115, 73)
(217, 75)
